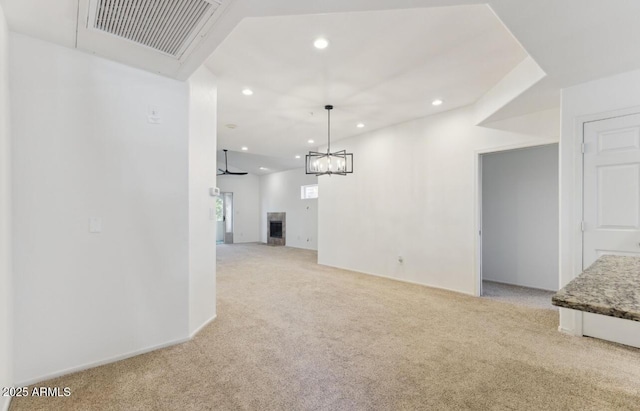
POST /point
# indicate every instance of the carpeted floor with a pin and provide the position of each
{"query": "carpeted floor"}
(292, 335)
(515, 294)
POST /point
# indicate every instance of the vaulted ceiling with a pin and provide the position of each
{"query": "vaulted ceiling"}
(380, 68)
(386, 61)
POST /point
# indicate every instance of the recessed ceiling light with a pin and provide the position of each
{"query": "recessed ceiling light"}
(437, 102)
(245, 148)
(247, 92)
(310, 141)
(321, 43)
(264, 168)
(231, 126)
(297, 156)
(360, 125)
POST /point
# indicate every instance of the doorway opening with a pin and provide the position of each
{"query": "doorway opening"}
(519, 225)
(224, 218)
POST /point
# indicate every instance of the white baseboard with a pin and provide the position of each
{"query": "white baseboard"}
(111, 359)
(399, 279)
(5, 402)
(569, 331)
(300, 248)
(519, 285)
(86, 366)
(193, 334)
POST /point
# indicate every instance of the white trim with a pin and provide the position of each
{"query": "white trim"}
(286, 245)
(112, 359)
(204, 324)
(578, 140)
(5, 407)
(477, 193)
(576, 320)
(398, 279)
(477, 258)
(99, 363)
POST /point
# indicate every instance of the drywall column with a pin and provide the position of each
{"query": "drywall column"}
(202, 177)
(6, 313)
(520, 217)
(100, 209)
(280, 192)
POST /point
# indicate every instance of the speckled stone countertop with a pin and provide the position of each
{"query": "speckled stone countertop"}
(611, 286)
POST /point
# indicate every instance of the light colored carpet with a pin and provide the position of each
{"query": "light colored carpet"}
(292, 335)
(515, 294)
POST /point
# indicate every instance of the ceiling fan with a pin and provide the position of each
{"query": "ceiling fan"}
(226, 171)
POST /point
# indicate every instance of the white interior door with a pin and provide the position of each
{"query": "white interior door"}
(611, 188)
(611, 208)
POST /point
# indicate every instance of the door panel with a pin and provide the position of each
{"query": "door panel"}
(611, 188)
(618, 200)
(619, 140)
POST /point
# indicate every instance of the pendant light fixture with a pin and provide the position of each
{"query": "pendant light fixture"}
(320, 164)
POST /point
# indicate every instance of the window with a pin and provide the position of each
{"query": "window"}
(308, 192)
(219, 211)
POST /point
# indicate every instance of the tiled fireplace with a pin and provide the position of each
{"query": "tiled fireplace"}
(276, 229)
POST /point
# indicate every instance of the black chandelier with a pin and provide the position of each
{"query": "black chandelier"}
(340, 162)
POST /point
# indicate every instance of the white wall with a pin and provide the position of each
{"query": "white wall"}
(520, 217)
(82, 147)
(539, 123)
(202, 176)
(280, 192)
(614, 95)
(6, 314)
(516, 82)
(246, 206)
(412, 194)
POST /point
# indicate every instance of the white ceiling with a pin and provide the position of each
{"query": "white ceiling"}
(381, 68)
(256, 163)
(573, 41)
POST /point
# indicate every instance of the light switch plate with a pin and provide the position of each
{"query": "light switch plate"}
(95, 225)
(153, 115)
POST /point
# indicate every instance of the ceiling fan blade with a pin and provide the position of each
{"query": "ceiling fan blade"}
(226, 168)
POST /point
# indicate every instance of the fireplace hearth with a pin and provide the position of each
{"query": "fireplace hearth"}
(276, 229)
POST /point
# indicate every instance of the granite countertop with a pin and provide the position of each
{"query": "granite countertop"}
(611, 286)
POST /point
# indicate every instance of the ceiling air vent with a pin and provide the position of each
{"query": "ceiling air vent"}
(168, 26)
